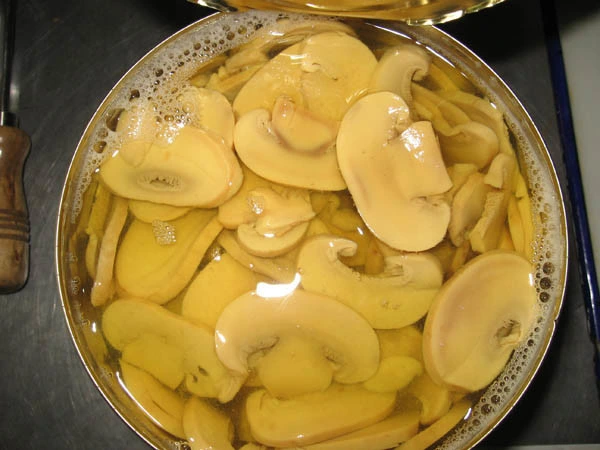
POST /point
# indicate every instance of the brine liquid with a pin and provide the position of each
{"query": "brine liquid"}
(193, 61)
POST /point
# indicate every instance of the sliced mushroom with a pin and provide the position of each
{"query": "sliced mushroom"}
(252, 323)
(163, 406)
(478, 318)
(482, 111)
(471, 142)
(280, 221)
(394, 373)
(406, 341)
(127, 320)
(300, 130)
(206, 427)
(281, 268)
(462, 140)
(435, 399)
(103, 286)
(502, 172)
(438, 429)
(149, 212)
(467, 207)
(386, 301)
(209, 110)
(169, 261)
(293, 367)
(395, 172)
(216, 285)
(388, 433)
(485, 235)
(270, 244)
(398, 67)
(315, 74)
(315, 417)
(237, 209)
(194, 170)
(264, 153)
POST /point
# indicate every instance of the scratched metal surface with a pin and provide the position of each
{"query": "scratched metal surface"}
(70, 53)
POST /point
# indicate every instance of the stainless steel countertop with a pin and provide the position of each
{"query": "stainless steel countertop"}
(69, 54)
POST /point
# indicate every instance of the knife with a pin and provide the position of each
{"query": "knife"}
(14, 148)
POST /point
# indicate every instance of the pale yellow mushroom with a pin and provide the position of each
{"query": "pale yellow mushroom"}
(194, 170)
(279, 221)
(315, 417)
(491, 303)
(103, 286)
(171, 253)
(315, 74)
(395, 172)
(209, 110)
(163, 406)
(206, 427)
(300, 130)
(149, 211)
(486, 233)
(438, 429)
(125, 321)
(467, 207)
(398, 67)
(391, 301)
(391, 431)
(270, 157)
(281, 268)
(259, 320)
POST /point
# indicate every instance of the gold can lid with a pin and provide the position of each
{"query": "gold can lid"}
(413, 12)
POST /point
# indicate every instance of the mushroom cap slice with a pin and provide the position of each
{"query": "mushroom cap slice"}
(125, 321)
(394, 171)
(386, 301)
(315, 417)
(209, 110)
(478, 318)
(383, 435)
(398, 67)
(267, 155)
(195, 169)
(163, 406)
(170, 265)
(252, 323)
(268, 245)
(315, 73)
(206, 427)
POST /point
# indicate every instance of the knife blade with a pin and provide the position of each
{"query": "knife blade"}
(14, 148)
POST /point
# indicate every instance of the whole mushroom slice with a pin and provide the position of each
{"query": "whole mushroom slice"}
(315, 417)
(265, 153)
(170, 251)
(383, 435)
(163, 406)
(195, 169)
(482, 111)
(395, 172)
(280, 268)
(206, 427)
(398, 67)
(384, 301)
(279, 221)
(478, 318)
(315, 74)
(209, 110)
(127, 320)
(252, 323)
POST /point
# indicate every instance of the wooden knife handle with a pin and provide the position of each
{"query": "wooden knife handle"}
(14, 219)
